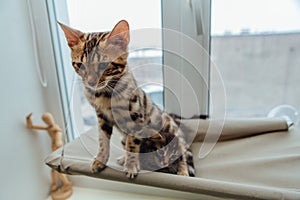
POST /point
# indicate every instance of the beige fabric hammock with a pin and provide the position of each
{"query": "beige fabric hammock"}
(254, 159)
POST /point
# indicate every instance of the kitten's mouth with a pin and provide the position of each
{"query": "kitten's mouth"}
(98, 87)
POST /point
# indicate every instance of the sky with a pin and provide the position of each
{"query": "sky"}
(230, 16)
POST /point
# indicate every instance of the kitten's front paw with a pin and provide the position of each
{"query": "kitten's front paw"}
(131, 170)
(121, 160)
(183, 173)
(97, 166)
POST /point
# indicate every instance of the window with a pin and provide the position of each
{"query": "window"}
(255, 45)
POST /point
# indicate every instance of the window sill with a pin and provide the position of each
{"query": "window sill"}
(247, 169)
(93, 194)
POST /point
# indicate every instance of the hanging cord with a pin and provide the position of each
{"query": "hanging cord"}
(39, 68)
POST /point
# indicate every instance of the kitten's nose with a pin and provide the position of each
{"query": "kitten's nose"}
(92, 81)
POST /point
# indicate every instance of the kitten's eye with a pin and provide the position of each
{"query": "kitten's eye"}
(103, 65)
(80, 66)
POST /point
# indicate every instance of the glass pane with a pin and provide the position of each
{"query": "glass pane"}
(255, 44)
(145, 63)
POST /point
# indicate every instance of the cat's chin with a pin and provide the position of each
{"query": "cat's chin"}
(96, 89)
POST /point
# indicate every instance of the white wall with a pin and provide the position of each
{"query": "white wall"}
(23, 174)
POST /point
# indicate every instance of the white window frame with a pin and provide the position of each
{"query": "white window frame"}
(191, 18)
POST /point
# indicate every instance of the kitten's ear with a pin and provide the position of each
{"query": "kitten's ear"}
(73, 36)
(120, 34)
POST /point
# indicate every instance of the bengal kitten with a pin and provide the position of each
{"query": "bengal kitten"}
(162, 155)
(165, 155)
(161, 152)
(100, 59)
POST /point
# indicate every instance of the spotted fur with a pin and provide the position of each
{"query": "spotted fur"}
(165, 155)
(162, 154)
(100, 59)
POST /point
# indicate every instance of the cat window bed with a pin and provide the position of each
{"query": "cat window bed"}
(241, 165)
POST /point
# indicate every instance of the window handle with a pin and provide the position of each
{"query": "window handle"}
(36, 51)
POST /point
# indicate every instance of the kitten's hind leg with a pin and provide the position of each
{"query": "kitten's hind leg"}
(182, 164)
(183, 168)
